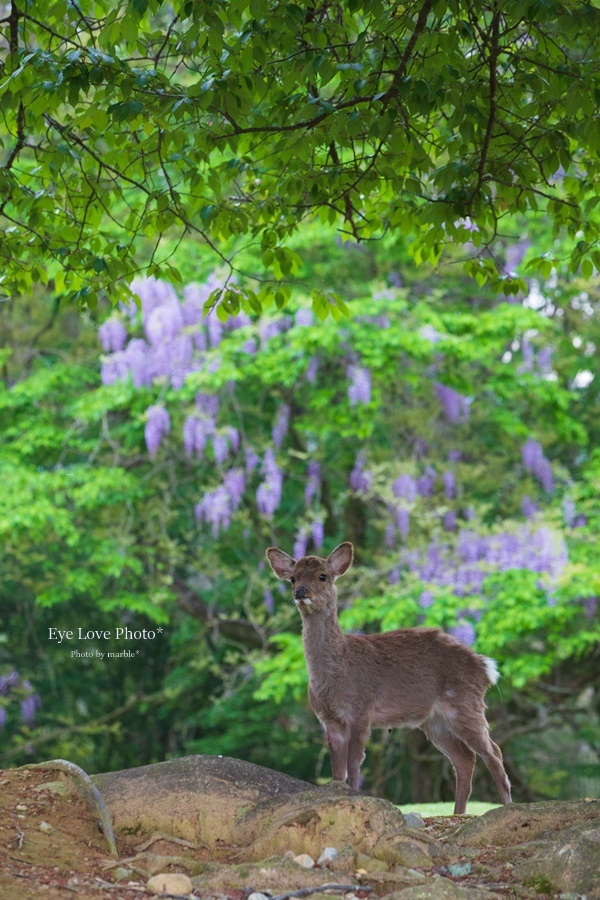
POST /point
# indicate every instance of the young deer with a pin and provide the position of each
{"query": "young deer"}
(412, 677)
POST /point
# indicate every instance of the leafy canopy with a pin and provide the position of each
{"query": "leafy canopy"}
(128, 126)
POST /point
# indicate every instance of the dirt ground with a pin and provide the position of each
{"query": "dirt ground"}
(51, 846)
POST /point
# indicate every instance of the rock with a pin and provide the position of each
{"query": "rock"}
(344, 861)
(46, 827)
(274, 876)
(457, 870)
(410, 849)
(414, 820)
(568, 863)
(521, 822)
(21, 807)
(170, 883)
(368, 864)
(327, 856)
(304, 860)
(256, 895)
(397, 877)
(215, 802)
(60, 788)
(121, 873)
(438, 888)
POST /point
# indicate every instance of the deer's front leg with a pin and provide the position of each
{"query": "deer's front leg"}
(337, 738)
(357, 738)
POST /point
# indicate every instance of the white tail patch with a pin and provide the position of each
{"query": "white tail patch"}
(491, 668)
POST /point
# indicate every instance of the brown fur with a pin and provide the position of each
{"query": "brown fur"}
(412, 677)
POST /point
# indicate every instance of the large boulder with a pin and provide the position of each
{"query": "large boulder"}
(241, 811)
(568, 863)
(554, 846)
(521, 822)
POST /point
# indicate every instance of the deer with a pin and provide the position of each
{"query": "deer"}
(411, 677)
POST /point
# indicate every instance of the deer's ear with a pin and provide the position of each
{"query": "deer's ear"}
(281, 563)
(341, 558)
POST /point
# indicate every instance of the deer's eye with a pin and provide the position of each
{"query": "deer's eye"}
(322, 577)
(292, 580)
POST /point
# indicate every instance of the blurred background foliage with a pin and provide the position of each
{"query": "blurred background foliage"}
(150, 454)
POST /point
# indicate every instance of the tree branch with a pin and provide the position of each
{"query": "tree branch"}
(13, 42)
(239, 630)
(60, 733)
(493, 85)
(406, 56)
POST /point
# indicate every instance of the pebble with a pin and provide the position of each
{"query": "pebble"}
(414, 820)
(21, 807)
(457, 870)
(122, 873)
(304, 860)
(170, 883)
(256, 895)
(327, 856)
(46, 827)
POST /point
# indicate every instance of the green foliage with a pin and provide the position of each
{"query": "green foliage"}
(97, 534)
(128, 127)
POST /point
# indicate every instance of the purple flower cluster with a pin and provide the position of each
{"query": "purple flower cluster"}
(7, 682)
(426, 483)
(464, 565)
(313, 482)
(360, 478)
(252, 459)
(304, 317)
(528, 507)
(280, 429)
(403, 522)
(158, 424)
(215, 509)
(268, 330)
(178, 334)
(405, 487)
(301, 543)
(28, 703)
(535, 461)
(234, 481)
(113, 335)
(464, 632)
(455, 406)
(312, 370)
(318, 533)
(195, 433)
(528, 356)
(359, 389)
(268, 495)
(449, 484)
(542, 361)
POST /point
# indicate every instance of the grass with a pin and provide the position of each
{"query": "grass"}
(427, 810)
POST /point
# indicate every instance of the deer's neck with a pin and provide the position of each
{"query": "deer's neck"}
(323, 642)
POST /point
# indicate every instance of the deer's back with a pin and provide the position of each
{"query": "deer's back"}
(400, 678)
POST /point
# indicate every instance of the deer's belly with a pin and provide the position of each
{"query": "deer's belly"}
(383, 716)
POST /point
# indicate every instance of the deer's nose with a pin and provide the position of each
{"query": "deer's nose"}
(300, 592)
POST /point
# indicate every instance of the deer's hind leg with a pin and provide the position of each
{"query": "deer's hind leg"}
(460, 755)
(475, 733)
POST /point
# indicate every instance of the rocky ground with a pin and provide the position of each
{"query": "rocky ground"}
(229, 829)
